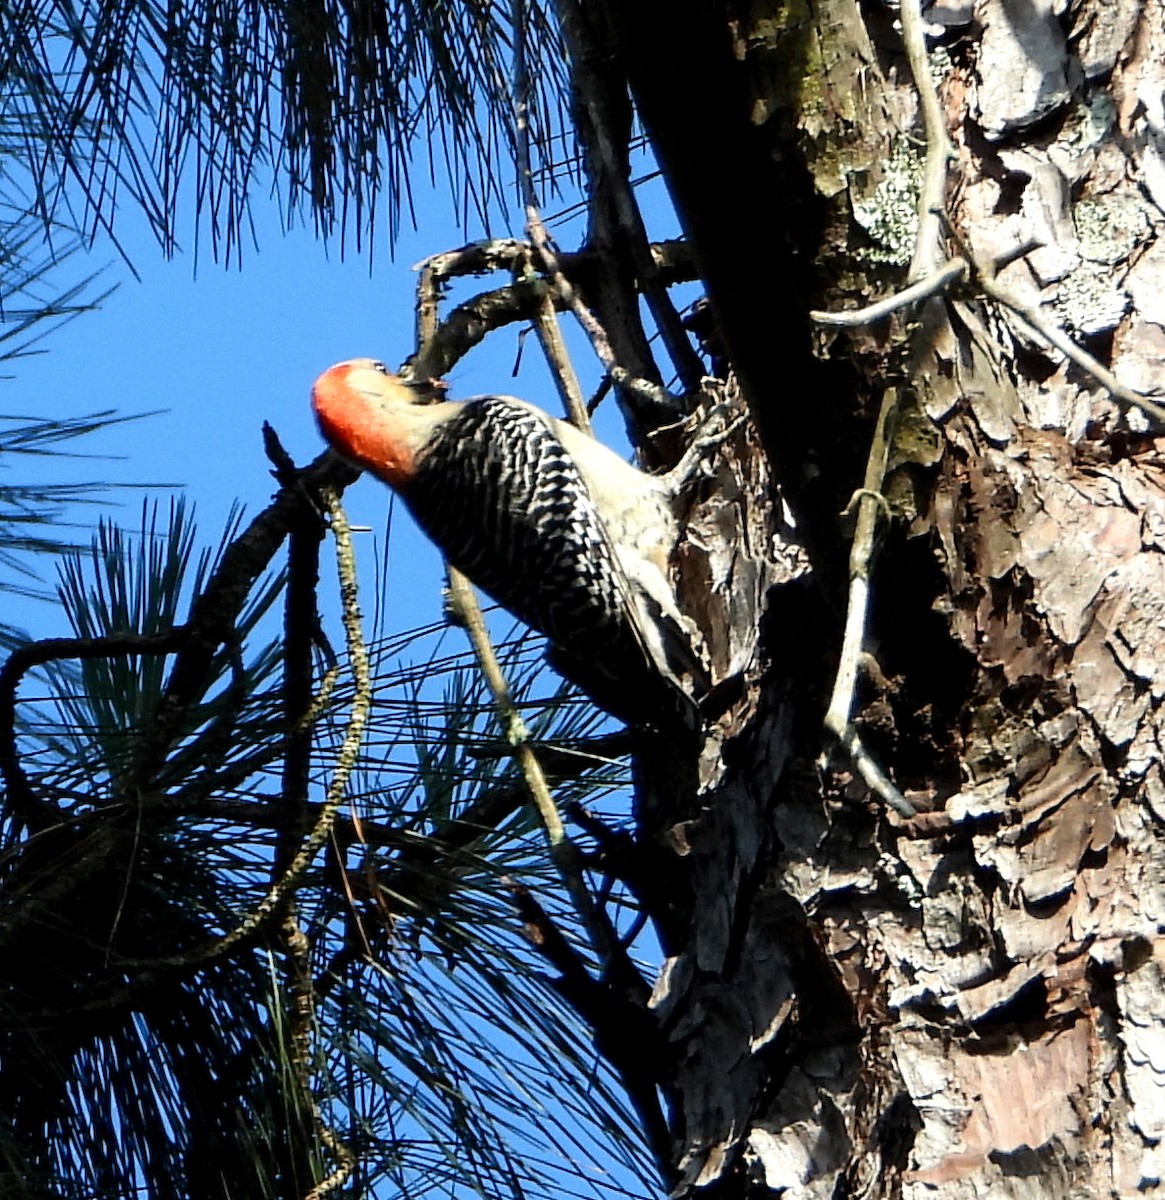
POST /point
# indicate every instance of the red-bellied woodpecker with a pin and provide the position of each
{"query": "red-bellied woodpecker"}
(555, 526)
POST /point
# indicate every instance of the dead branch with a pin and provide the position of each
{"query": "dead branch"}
(596, 94)
(928, 252)
(870, 503)
(543, 244)
(1051, 333)
(937, 281)
(927, 281)
(624, 1030)
(468, 323)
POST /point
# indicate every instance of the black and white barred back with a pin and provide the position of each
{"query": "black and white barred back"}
(497, 491)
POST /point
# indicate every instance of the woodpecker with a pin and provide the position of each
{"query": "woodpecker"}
(556, 527)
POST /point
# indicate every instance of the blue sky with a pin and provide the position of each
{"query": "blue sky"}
(220, 350)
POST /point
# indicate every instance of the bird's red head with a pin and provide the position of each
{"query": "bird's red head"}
(362, 410)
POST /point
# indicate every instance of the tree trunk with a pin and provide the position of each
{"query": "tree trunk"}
(969, 1002)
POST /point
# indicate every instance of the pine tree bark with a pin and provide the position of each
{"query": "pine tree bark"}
(969, 1003)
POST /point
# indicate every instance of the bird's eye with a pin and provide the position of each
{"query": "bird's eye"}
(379, 366)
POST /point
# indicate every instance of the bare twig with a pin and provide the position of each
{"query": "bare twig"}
(592, 87)
(477, 258)
(519, 256)
(468, 323)
(984, 278)
(467, 612)
(1032, 316)
(671, 260)
(563, 850)
(872, 775)
(837, 719)
(937, 281)
(540, 236)
(931, 202)
(561, 368)
(927, 280)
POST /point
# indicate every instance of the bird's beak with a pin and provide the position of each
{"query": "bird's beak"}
(426, 391)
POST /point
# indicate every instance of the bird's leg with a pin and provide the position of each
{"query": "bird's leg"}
(707, 437)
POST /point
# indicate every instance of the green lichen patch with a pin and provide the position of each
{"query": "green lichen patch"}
(890, 214)
(1110, 226)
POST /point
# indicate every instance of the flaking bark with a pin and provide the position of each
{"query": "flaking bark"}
(969, 1004)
